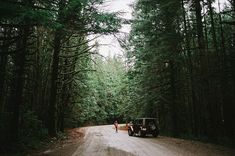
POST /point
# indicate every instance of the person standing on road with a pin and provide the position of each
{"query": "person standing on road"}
(116, 126)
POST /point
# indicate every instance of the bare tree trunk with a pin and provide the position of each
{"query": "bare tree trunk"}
(204, 85)
(190, 68)
(54, 75)
(173, 99)
(213, 27)
(54, 78)
(18, 83)
(227, 97)
(3, 65)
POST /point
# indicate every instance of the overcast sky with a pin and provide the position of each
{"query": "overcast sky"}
(109, 45)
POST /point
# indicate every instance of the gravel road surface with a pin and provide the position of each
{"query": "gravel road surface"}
(104, 141)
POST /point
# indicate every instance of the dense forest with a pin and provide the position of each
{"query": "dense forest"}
(46, 64)
(179, 67)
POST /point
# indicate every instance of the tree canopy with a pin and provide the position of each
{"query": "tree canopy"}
(178, 67)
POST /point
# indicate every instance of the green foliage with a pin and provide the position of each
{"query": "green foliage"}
(103, 97)
(104, 23)
(31, 126)
(180, 68)
(45, 61)
(174, 74)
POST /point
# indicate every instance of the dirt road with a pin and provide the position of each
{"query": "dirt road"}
(103, 141)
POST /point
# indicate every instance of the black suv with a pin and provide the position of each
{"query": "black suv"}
(143, 126)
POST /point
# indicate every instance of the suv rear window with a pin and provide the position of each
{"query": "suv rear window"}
(138, 122)
(150, 122)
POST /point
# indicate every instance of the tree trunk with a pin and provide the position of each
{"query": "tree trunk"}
(227, 97)
(190, 69)
(16, 100)
(3, 65)
(174, 108)
(54, 77)
(204, 85)
(213, 27)
(55, 72)
(201, 42)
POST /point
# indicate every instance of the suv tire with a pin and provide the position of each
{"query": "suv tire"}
(141, 134)
(130, 133)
